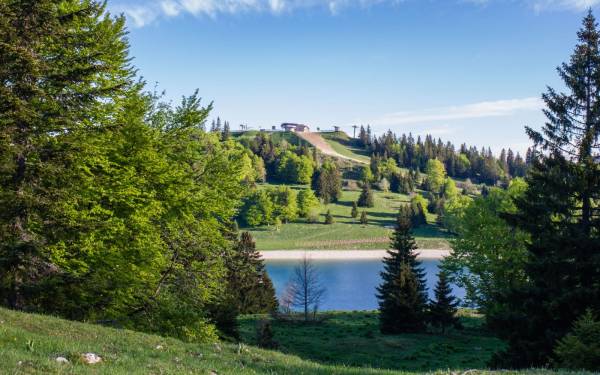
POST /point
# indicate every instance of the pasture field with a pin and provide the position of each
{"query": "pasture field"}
(347, 233)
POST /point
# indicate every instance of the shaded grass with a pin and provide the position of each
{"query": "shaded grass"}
(29, 344)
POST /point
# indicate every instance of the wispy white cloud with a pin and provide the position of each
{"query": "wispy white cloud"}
(499, 108)
(144, 12)
(576, 5)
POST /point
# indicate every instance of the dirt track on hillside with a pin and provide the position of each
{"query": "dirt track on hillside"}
(321, 144)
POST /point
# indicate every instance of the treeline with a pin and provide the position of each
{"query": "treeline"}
(466, 162)
(528, 255)
(116, 207)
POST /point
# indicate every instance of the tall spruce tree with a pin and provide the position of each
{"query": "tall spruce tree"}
(403, 294)
(442, 310)
(560, 212)
(366, 198)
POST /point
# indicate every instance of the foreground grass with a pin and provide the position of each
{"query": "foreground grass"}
(347, 233)
(353, 339)
(30, 344)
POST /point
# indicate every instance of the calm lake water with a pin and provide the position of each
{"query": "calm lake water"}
(350, 284)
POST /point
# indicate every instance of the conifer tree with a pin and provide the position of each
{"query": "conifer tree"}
(354, 212)
(248, 279)
(364, 219)
(366, 198)
(402, 295)
(329, 218)
(560, 212)
(442, 310)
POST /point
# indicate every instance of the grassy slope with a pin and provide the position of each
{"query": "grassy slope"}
(353, 339)
(347, 233)
(29, 344)
(340, 142)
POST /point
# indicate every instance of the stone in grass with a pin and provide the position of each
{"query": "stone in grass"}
(62, 360)
(91, 358)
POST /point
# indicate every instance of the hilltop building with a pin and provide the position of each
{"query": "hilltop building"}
(299, 128)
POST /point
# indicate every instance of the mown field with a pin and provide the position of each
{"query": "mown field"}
(347, 233)
(353, 339)
(341, 143)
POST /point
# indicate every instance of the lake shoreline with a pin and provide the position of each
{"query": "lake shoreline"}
(345, 254)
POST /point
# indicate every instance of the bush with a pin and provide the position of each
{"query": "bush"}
(264, 335)
(364, 220)
(366, 198)
(580, 349)
(313, 216)
(384, 185)
(329, 218)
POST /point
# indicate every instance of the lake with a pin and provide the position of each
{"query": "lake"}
(350, 284)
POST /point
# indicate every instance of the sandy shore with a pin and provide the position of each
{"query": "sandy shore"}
(344, 254)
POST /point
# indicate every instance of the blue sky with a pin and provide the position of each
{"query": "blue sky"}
(464, 70)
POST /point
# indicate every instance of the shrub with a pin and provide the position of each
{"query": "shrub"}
(364, 220)
(264, 335)
(580, 349)
(329, 218)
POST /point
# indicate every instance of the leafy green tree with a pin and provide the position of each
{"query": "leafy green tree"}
(366, 175)
(307, 202)
(488, 254)
(285, 201)
(295, 169)
(559, 210)
(366, 198)
(436, 175)
(442, 310)
(450, 190)
(402, 295)
(259, 209)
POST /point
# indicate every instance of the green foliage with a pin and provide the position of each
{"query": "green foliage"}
(450, 191)
(488, 254)
(327, 182)
(307, 202)
(259, 209)
(354, 212)
(580, 348)
(329, 218)
(295, 169)
(364, 219)
(559, 211)
(442, 310)
(366, 175)
(285, 201)
(418, 217)
(114, 204)
(366, 198)
(436, 175)
(402, 295)
(248, 281)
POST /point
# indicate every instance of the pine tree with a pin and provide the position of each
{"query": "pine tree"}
(402, 295)
(442, 310)
(366, 198)
(329, 218)
(560, 212)
(354, 212)
(226, 133)
(249, 282)
(364, 219)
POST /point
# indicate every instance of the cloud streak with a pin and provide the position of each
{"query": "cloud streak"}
(144, 12)
(499, 108)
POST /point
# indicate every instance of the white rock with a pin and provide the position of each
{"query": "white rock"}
(91, 358)
(62, 360)
(159, 347)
